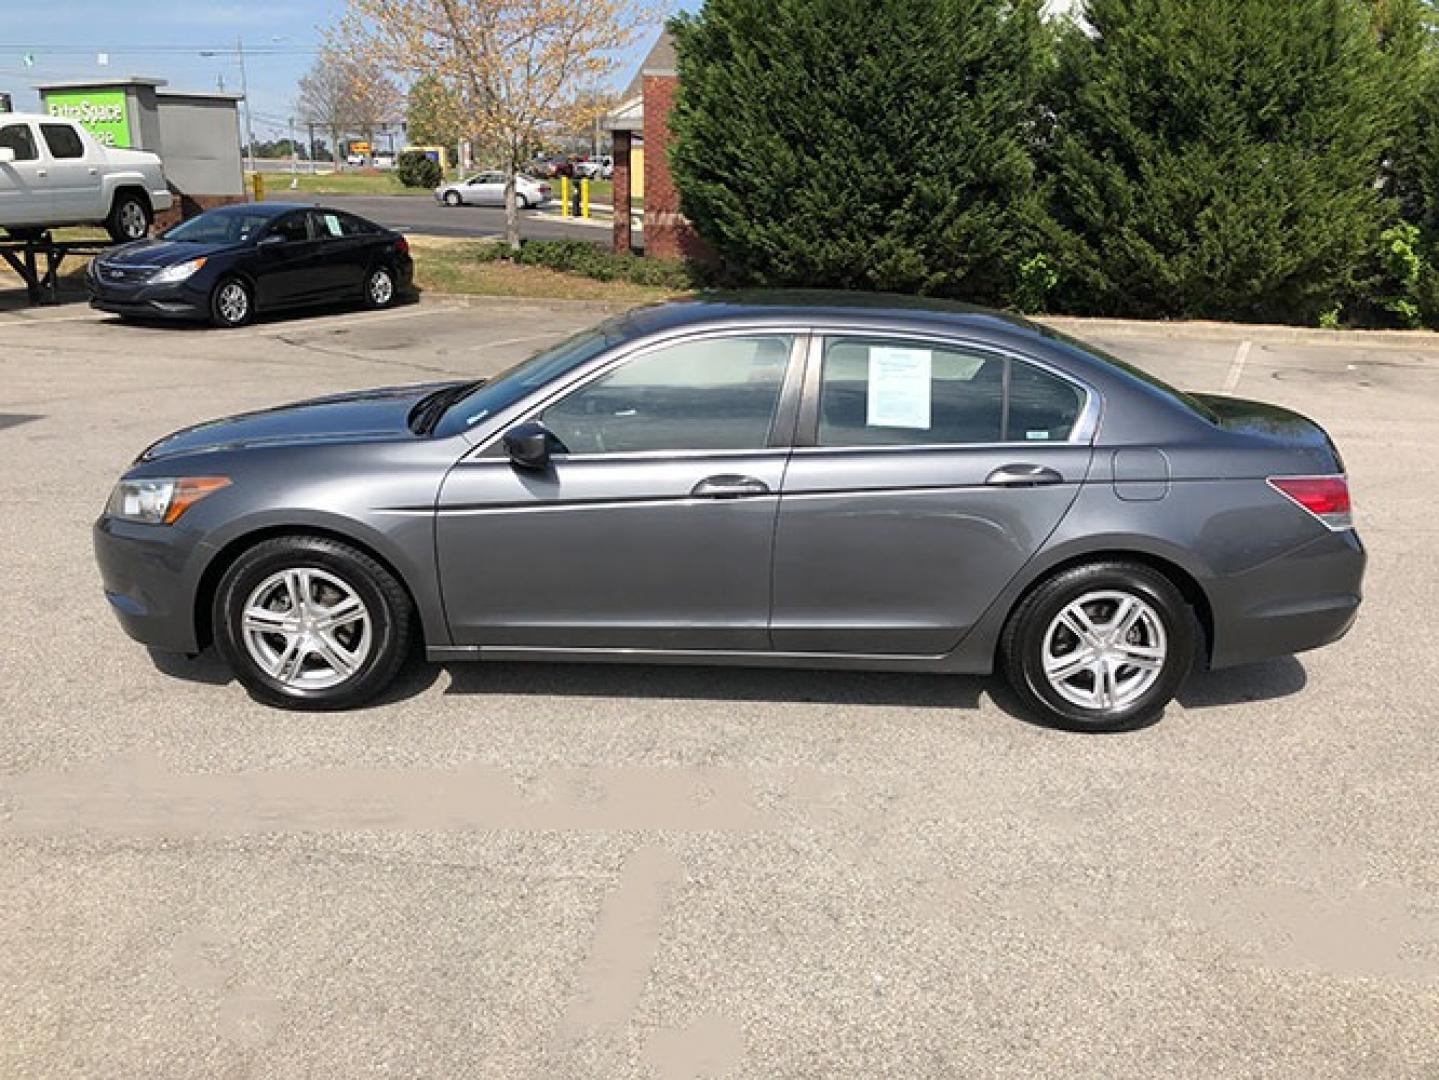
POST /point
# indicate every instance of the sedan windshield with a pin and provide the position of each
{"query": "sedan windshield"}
(227, 226)
(508, 387)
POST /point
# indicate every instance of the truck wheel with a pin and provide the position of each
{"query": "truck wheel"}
(129, 218)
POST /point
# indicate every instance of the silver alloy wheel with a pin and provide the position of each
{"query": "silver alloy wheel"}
(132, 219)
(382, 288)
(452, 198)
(306, 628)
(1104, 650)
(233, 302)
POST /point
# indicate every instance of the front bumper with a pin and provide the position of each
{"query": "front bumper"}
(183, 300)
(149, 579)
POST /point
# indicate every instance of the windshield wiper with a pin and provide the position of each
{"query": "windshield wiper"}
(428, 410)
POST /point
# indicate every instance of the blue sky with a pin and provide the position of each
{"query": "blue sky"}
(164, 38)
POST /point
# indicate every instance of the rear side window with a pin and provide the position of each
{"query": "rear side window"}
(18, 138)
(63, 141)
(911, 393)
(292, 227)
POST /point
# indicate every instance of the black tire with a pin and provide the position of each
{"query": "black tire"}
(1027, 635)
(521, 202)
(387, 607)
(228, 308)
(130, 218)
(452, 198)
(380, 287)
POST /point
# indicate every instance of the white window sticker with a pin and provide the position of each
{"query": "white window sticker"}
(899, 387)
(332, 223)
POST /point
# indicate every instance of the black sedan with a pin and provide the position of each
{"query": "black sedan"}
(227, 264)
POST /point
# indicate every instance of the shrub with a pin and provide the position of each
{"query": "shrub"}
(416, 170)
(861, 145)
(1219, 157)
(594, 261)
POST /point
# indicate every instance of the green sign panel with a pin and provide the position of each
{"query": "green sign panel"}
(102, 113)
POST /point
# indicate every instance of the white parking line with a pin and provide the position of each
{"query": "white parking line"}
(1236, 369)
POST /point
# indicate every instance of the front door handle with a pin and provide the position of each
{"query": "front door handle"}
(1023, 476)
(729, 486)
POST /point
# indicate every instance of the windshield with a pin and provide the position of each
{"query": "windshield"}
(229, 226)
(517, 382)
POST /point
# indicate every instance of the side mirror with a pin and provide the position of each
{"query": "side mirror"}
(530, 446)
(7, 155)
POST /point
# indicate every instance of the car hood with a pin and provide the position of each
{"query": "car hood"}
(158, 252)
(362, 416)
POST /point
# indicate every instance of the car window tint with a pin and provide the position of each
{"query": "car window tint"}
(292, 227)
(326, 224)
(63, 141)
(353, 226)
(910, 393)
(1042, 407)
(717, 394)
(18, 138)
(888, 393)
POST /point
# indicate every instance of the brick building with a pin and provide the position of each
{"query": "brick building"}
(642, 119)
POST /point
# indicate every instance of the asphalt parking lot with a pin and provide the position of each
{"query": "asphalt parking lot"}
(544, 871)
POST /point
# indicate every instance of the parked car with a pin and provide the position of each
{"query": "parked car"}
(488, 189)
(53, 174)
(552, 168)
(384, 161)
(230, 263)
(807, 482)
(600, 168)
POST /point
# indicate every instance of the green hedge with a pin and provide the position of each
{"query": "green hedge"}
(1235, 159)
(415, 169)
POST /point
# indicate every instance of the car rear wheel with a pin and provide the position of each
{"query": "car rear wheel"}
(231, 304)
(307, 622)
(452, 198)
(379, 287)
(1099, 647)
(129, 218)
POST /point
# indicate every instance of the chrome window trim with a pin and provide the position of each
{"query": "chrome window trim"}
(1086, 423)
(531, 409)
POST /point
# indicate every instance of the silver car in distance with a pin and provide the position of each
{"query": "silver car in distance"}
(791, 480)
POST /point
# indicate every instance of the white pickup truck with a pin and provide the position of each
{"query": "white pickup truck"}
(53, 173)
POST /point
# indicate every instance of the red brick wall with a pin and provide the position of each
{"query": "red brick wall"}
(667, 234)
(187, 206)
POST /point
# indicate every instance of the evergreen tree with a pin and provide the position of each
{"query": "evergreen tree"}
(1222, 158)
(863, 145)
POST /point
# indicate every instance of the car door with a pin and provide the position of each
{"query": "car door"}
(25, 197)
(76, 190)
(926, 473)
(653, 527)
(285, 267)
(341, 253)
(487, 189)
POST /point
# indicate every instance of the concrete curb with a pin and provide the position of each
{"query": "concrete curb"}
(604, 307)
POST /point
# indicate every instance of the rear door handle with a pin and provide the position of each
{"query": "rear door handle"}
(729, 486)
(1023, 476)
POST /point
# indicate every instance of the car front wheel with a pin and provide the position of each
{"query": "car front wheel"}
(452, 198)
(1099, 647)
(307, 622)
(231, 304)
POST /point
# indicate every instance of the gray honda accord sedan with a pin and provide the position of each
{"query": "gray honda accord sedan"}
(798, 480)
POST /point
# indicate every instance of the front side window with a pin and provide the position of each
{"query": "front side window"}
(63, 141)
(19, 139)
(293, 227)
(911, 393)
(714, 394)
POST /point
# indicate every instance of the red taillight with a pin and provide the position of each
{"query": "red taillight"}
(1326, 497)
(402, 246)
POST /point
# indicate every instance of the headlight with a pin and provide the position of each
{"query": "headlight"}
(160, 501)
(178, 272)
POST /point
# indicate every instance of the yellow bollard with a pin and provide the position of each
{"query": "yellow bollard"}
(257, 182)
(585, 197)
(564, 196)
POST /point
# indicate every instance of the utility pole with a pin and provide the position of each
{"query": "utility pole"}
(245, 93)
